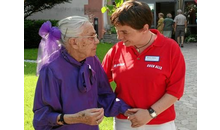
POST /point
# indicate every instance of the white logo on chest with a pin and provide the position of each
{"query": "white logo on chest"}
(154, 66)
(121, 64)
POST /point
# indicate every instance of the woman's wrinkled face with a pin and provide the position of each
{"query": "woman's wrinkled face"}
(128, 35)
(87, 41)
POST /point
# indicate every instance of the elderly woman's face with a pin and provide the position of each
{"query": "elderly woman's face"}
(88, 41)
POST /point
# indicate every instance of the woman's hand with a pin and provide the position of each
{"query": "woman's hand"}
(92, 116)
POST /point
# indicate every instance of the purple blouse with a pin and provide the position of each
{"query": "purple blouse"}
(68, 86)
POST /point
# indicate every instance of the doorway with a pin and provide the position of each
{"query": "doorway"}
(165, 8)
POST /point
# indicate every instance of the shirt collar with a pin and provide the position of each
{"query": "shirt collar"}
(69, 58)
(158, 41)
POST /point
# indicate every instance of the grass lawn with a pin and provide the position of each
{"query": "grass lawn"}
(30, 80)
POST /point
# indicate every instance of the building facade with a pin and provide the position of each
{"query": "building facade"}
(92, 10)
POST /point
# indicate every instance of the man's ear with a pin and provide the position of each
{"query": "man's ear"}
(146, 28)
(73, 43)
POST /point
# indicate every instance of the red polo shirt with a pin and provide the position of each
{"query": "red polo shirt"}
(142, 79)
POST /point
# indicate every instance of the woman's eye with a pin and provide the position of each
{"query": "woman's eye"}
(91, 38)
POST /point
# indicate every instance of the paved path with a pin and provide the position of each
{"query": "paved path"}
(186, 108)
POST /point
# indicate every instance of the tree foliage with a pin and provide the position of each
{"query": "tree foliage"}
(112, 8)
(33, 6)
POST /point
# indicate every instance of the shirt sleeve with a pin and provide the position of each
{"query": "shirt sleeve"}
(175, 85)
(107, 64)
(46, 101)
(107, 98)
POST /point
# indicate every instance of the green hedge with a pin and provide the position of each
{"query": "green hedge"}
(31, 36)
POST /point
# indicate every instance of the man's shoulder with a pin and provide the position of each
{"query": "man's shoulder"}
(169, 19)
(182, 15)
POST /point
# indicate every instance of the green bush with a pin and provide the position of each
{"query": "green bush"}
(191, 38)
(113, 30)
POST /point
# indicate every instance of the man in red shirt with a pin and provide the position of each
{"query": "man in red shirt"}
(148, 68)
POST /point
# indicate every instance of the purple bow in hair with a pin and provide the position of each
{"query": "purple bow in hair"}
(47, 28)
(48, 47)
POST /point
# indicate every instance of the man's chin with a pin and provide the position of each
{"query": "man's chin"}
(126, 44)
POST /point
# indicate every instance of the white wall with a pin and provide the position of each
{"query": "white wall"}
(76, 7)
(105, 20)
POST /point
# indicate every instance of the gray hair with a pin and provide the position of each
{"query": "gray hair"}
(179, 11)
(169, 15)
(71, 27)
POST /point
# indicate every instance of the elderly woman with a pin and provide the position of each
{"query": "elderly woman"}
(73, 92)
(160, 22)
(168, 26)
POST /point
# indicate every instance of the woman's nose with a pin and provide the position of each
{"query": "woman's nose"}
(96, 40)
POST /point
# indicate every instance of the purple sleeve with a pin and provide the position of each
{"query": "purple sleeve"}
(107, 98)
(46, 101)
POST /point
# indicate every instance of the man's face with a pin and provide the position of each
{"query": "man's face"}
(128, 35)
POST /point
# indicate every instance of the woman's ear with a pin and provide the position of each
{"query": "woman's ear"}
(73, 43)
